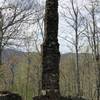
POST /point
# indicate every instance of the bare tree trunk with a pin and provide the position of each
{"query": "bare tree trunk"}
(27, 79)
(96, 52)
(98, 79)
(1, 33)
(76, 13)
(77, 62)
(1, 56)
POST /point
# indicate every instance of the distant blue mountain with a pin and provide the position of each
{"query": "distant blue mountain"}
(7, 53)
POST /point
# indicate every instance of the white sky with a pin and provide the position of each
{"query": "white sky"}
(64, 30)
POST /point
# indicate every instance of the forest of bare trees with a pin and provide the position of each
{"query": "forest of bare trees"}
(50, 47)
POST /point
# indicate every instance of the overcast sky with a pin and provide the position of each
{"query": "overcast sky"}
(65, 30)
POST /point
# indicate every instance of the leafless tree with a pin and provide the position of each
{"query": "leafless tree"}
(75, 20)
(14, 17)
(93, 35)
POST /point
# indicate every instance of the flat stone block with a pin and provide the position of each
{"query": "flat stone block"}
(6, 95)
(46, 97)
